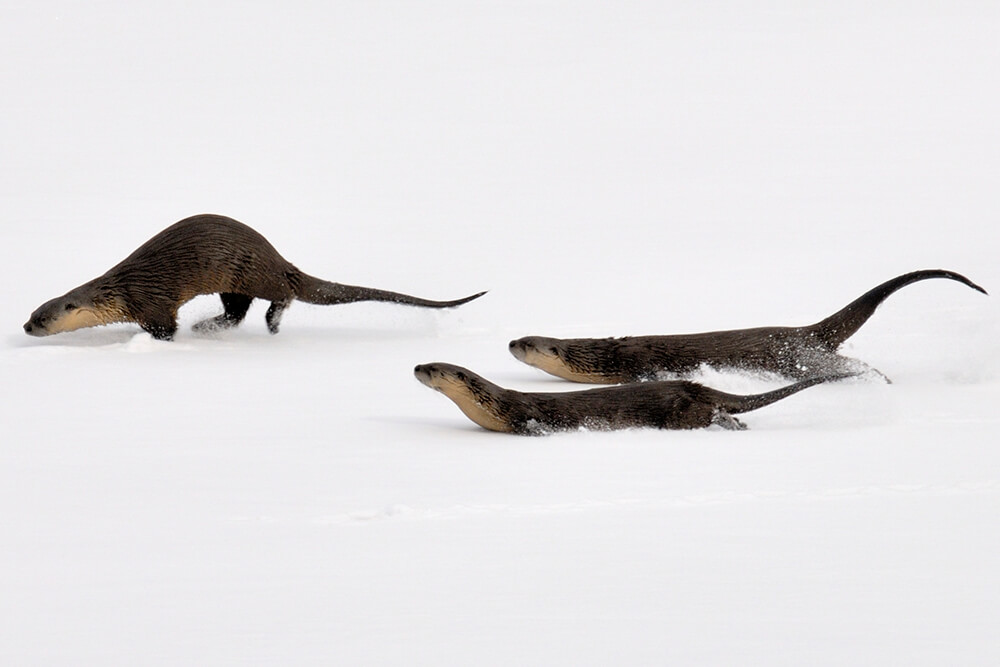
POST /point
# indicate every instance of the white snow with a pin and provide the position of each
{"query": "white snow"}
(601, 168)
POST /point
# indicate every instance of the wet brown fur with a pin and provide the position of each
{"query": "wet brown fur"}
(795, 352)
(203, 254)
(668, 404)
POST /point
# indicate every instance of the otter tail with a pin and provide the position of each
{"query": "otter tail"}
(735, 404)
(840, 326)
(325, 293)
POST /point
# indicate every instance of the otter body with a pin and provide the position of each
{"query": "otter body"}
(795, 352)
(203, 254)
(669, 404)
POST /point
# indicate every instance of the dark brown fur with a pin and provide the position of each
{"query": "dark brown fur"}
(203, 254)
(669, 404)
(795, 352)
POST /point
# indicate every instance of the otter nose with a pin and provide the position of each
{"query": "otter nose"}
(517, 348)
(27, 327)
(422, 373)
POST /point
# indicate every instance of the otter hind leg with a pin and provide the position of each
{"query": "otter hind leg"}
(810, 362)
(838, 364)
(236, 307)
(858, 367)
(274, 313)
(727, 421)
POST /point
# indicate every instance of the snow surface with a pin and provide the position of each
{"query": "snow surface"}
(602, 168)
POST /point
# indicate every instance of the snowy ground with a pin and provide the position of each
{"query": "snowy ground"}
(603, 169)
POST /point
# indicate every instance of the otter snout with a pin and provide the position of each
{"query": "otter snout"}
(530, 348)
(423, 374)
(437, 374)
(523, 347)
(35, 328)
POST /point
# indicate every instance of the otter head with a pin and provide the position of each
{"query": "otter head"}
(474, 395)
(564, 358)
(74, 310)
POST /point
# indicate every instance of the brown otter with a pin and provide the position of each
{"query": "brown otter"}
(795, 352)
(203, 254)
(667, 404)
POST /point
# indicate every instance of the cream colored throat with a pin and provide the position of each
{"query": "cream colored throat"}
(553, 365)
(80, 318)
(473, 408)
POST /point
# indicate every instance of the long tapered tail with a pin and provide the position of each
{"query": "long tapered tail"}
(324, 293)
(840, 326)
(736, 404)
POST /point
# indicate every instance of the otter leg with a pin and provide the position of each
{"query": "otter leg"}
(236, 307)
(273, 316)
(160, 330)
(858, 367)
(727, 421)
(158, 318)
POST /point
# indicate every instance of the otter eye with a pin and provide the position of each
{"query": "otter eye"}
(70, 306)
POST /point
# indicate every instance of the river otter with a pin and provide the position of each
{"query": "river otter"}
(667, 404)
(795, 352)
(203, 254)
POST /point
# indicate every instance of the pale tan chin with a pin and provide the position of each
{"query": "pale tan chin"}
(76, 319)
(554, 365)
(458, 392)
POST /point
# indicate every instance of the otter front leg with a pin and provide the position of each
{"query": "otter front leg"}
(273, 316)
(157, 317)
(162, 330)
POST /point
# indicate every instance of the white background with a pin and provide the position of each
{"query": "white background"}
(602, 169)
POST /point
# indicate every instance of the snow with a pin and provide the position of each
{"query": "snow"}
(601, 168)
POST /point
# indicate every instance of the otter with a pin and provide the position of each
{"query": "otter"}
(793, 352)
(665, 404)
(203, 254)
